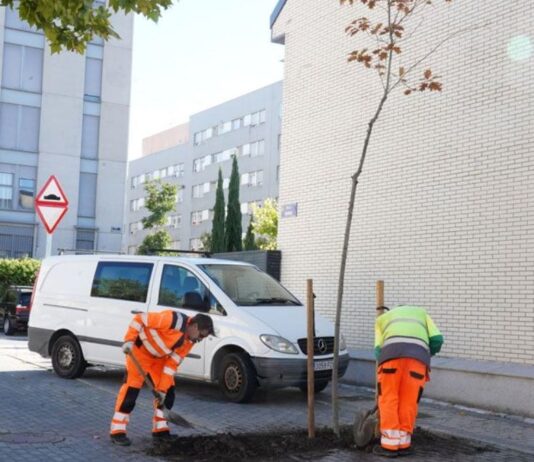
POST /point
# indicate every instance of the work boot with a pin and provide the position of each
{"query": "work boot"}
(380, 451)
(406, 451)
(120, 439)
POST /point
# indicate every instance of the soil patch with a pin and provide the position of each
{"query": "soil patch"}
(276, 446)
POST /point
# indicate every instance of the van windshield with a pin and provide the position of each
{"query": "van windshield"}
(249, 286)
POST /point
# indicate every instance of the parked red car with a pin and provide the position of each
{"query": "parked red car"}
(15, 308)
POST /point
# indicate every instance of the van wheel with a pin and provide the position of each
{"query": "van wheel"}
(319, 386)
(9, 328)
(237, 377)
(67, 358)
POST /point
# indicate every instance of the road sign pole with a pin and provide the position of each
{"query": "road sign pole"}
(48, 248)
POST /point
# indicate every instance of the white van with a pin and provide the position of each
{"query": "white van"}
(83, 304)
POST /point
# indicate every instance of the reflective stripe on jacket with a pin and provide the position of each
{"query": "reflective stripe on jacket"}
(161, 334)
(406, 332)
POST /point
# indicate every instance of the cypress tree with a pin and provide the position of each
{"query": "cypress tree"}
(232, 229)
(250, 241)
(217, 230)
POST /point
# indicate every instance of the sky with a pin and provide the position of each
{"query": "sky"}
(201, 53)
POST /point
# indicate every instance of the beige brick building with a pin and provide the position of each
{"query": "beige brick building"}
(445, 206)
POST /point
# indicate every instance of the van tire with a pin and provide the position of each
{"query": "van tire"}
(319, 386)
(237, 377)
(9, 328)
(67, 358)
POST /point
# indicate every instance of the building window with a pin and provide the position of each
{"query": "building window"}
(262, 116)
(19, 127)
(22, 68)
(26, 193)
(257, 148)
(226, 183)
(137, 204)
(87, 195)
(224, 127)
(180, 195)
(134, 227)
(197, 191)
(179, 170)
(197, 138)
(252, 178)
(13, 21)
(174, 221)
(236, 124)
(6, 190)
(93, 79)
(197, 165)
(85, 239)
(247, 120)
(90, 129)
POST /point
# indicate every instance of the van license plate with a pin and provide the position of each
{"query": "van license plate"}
(323, 365)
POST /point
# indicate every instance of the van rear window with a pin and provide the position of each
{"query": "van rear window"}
(122, 281)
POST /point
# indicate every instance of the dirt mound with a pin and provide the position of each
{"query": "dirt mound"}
(227, 447)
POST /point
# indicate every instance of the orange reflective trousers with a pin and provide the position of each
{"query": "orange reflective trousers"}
(400, 386)
(164, 382)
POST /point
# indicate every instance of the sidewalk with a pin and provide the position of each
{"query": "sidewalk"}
(44, 417)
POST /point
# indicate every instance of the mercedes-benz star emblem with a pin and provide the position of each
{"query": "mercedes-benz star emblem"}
(322, 346)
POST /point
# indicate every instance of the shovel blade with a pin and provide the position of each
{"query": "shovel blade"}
(177, 419)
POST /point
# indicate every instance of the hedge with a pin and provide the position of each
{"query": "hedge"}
(17, 272)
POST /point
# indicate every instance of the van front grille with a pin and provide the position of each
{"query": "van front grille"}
(321, 345)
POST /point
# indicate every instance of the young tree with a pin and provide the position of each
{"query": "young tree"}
(207, 242)
(250, 242)
(232, 228)
(217, 230)
(71, 24)
(160, 200)
(387, 35)
(266, 224)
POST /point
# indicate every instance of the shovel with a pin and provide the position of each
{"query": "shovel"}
(366, 427)
(172, 417)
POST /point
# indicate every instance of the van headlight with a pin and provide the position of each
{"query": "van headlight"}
(342, 343)
(279, 344)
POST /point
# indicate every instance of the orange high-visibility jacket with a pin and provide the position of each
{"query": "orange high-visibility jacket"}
(162, 334)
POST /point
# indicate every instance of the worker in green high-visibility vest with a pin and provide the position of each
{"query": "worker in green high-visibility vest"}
(405, 339)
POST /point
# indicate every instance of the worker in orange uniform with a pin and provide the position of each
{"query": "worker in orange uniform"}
(159, 341)
(405, 339)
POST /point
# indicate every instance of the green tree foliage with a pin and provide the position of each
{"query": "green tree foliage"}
(250, 241)
(159, 240)
(266, 224)
(160, 200)
(19, 272)
(232, 229)
(71, 24)
(217, 230)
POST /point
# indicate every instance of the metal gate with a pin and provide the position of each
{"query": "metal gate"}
(16, 241)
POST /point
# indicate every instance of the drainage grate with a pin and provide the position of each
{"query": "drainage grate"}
(30, 438)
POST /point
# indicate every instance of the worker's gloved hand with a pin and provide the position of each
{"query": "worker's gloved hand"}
(127, 347)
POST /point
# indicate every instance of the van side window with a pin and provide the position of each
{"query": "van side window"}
(122, 280)
(180, 288)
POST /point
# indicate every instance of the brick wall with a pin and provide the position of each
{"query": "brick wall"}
(445, 206)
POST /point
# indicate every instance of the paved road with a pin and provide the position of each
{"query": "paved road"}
(43, 417)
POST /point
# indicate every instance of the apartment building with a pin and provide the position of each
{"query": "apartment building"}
(247, 127)
(65, 115)
(444, 209)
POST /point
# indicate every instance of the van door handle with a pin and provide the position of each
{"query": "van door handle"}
(136, 312)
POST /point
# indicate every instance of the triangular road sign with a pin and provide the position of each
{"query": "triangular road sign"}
(50, 216)
(51, 193)
(51, 204)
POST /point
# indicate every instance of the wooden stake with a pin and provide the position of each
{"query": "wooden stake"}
(309, 349)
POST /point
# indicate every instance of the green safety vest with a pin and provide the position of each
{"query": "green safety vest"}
(406, 331)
